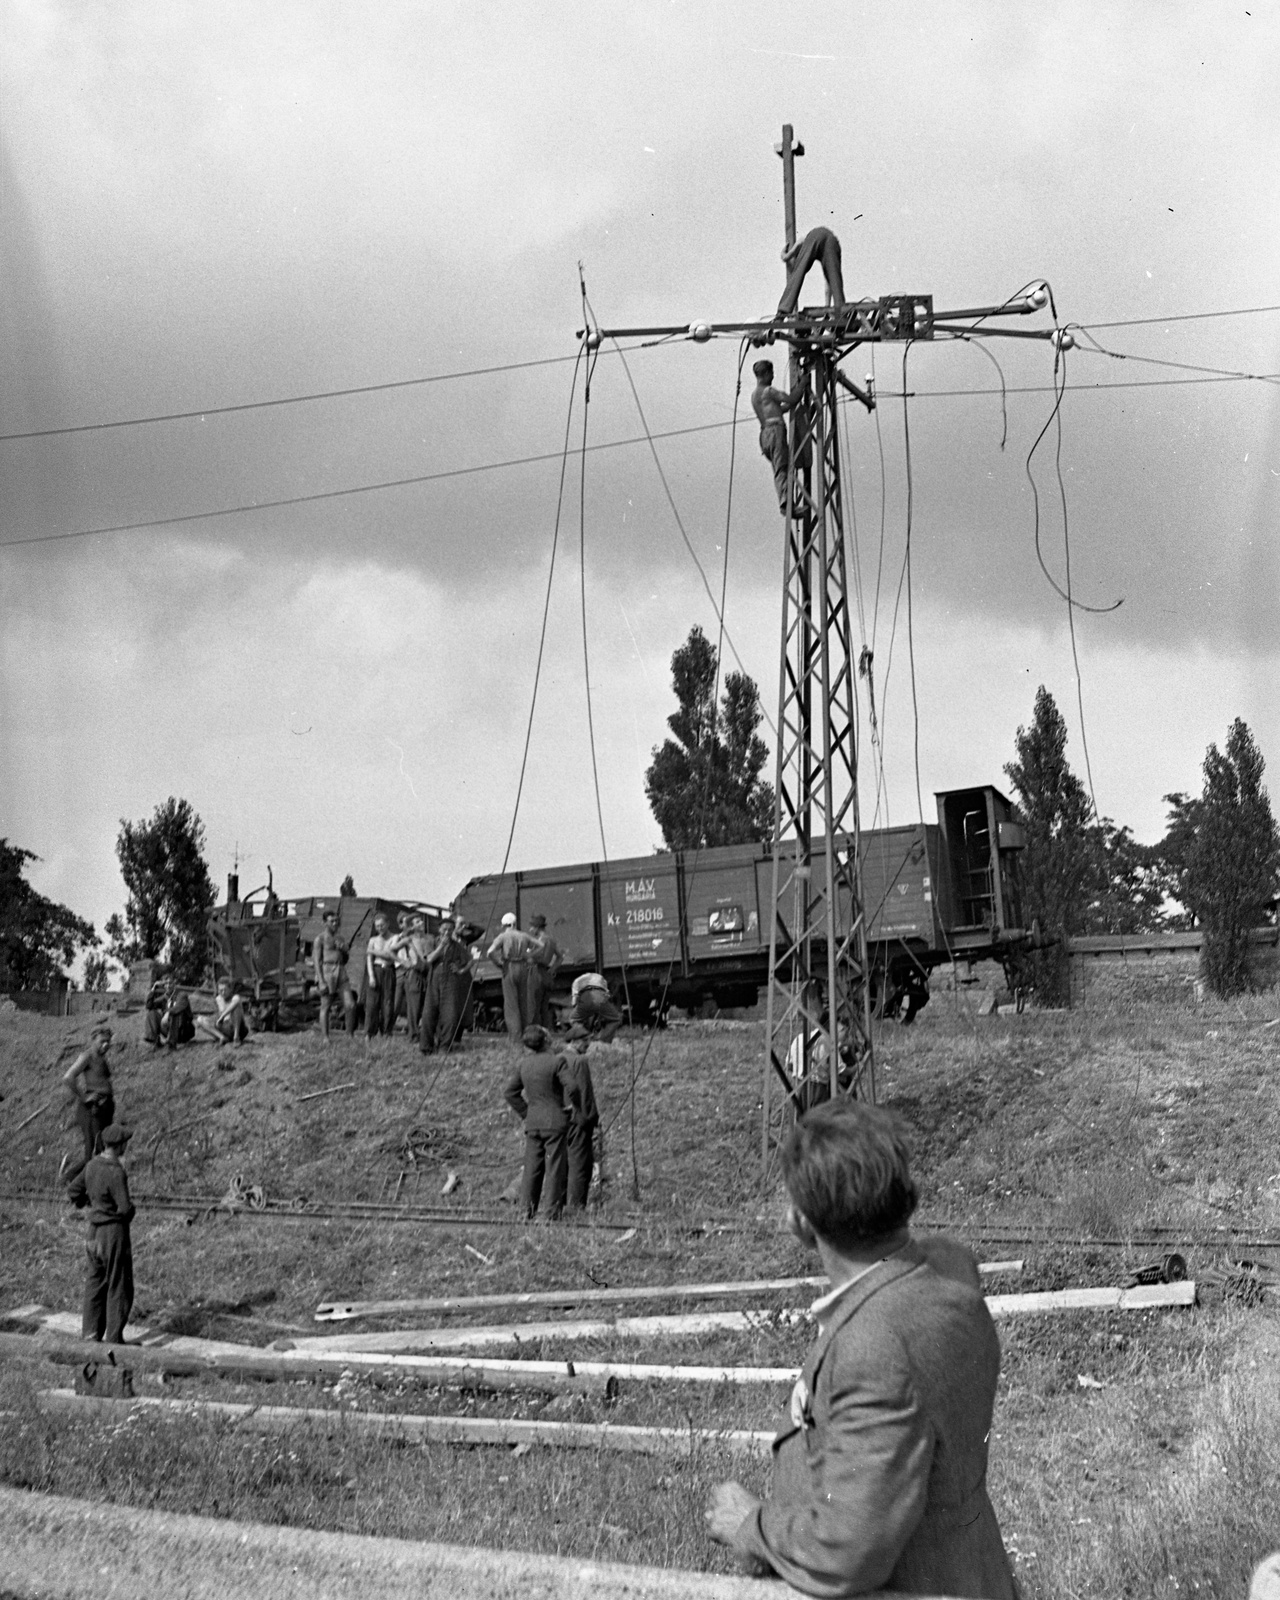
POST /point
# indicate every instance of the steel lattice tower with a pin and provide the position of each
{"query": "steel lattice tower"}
(819, 1006)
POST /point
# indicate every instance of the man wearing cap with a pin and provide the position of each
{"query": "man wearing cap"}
(536, 1090)
(545, 961)
(331, 954)
(411, 971)
(446, 967)
(88, 1081)
(593, 1008)
(380, 980)
(103, 1187)
(511, 951)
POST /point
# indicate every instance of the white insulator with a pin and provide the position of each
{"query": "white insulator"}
(594, 339)
(1039, 296)
(700, 332)
(1064, 339)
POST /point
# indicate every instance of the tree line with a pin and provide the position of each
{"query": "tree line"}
(1217, 867)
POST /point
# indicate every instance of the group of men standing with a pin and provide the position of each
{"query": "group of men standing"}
(410, 973)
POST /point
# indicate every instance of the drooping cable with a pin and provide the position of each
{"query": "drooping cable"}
(589, 321)
(675, 512)
(1059, 389)
(1094, 348)
(692, 872)
(1004, 394)
(1071, 620)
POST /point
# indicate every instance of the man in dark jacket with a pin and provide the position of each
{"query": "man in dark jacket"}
(545, 961)
(880, 1468)
(446, 965)
(584, 1119)
(536, 1092)
(103, 1187)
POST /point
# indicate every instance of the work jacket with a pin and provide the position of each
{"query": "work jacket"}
(880, 1467)
(535, 1091)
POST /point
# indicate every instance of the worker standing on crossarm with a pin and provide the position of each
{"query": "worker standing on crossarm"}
(593, 1008)
(818, 245)
(88, 1081)
(537, 1091)
(545, 961)
(584, 1119)
(103, 1187)
(331, 955)
(511, 951)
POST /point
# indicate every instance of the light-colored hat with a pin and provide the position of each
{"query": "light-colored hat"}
(508, 919)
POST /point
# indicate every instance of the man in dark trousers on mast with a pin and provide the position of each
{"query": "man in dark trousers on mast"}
(103, 1187)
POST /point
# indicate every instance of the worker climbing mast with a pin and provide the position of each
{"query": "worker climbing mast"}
(818, 1031)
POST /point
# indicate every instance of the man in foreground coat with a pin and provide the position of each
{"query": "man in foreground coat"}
(880, 1470)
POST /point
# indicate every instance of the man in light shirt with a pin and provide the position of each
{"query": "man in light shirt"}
(593, 1008)
(511, 951)
(380, 980)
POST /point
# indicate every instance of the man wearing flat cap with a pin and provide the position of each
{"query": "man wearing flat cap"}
(103, 1187)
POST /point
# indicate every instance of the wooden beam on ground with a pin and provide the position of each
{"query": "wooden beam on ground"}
(540, 1377)
(343, 1310)
(1139, 1298)
(423, 1429)
(701, 1322)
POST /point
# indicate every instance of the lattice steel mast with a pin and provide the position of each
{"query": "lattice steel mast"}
(819, 1000)
(819, 1005)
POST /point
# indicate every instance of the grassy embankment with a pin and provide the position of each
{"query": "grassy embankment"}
(1102, 1121)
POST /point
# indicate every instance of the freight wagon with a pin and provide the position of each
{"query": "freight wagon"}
(691, 928)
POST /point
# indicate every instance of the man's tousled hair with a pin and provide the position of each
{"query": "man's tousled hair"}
(847, 1168)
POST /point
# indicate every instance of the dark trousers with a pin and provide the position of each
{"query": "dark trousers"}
(179, 1030)
(108, 1284)
(818, 245)
(593, 1010)
(515, 998)
(380, 1000)
(580, 1145)
(774, 448)
(538, 990)
(440, 1010)
(92, 1121)
(413, 981)
(544, 1158)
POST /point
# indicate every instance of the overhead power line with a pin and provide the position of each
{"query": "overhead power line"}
(286, 400)
(200, 412)
(554, 455)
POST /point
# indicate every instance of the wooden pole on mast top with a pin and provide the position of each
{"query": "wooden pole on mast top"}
(789, 149)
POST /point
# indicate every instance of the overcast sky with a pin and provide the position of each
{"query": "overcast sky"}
(208, 205)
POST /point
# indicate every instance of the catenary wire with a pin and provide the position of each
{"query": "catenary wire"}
(554, 455)
(289, 399)
(479, 372)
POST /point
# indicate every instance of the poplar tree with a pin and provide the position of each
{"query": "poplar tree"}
(1229, 881)
(170, 892)
(704, 785)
